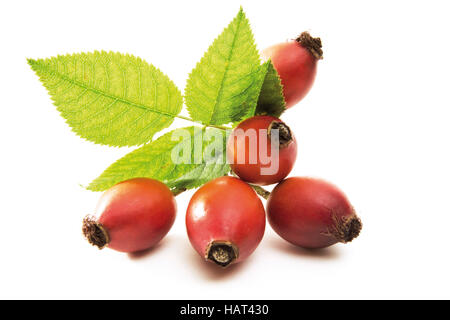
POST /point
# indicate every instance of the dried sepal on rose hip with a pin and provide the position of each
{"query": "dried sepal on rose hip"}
(250, 154)
(133, 215)
(225, 221)
(312, 213)
(296, 64)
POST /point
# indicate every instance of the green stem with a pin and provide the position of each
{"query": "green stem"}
(177, 191)
(261, 191)
(206, 125)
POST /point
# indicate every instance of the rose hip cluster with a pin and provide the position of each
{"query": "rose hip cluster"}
(225, 218)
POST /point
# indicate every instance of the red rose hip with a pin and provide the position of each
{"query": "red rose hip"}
(311, 213)
(225, 221)
(296, 64)
(133, 215)
(250, 154)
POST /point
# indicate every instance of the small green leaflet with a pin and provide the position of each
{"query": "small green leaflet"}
(224, 84)
(271, 99)
(110, 98)
(183, 158)
(258, 84)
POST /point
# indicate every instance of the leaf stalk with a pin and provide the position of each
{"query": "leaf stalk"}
(206, 125)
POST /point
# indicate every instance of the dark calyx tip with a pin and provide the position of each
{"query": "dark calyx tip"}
(222, 253)
(285, 135)
(94, 232)
(347, 228)
(314, 45)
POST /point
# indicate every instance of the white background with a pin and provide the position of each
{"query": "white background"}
(376, 123)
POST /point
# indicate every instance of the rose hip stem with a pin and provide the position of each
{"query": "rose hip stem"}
(258, 189)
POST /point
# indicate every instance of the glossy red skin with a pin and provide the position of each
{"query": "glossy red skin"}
(301, 211)
(226, 209)
(252, 172)
(297, 68)
(136, 213)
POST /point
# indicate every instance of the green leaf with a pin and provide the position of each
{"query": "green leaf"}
(110, 98)
(271, 99)
(224, 84)
(183, 158)
(260, 78)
